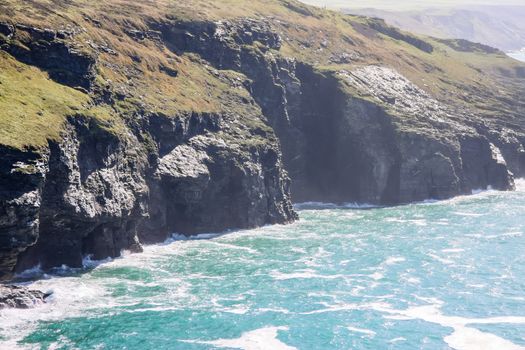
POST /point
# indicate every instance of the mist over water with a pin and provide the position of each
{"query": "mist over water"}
(519, 55)
(437, 275)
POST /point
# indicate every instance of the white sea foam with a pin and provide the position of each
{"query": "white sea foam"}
(357, 290)
(415, 221)
(62, 343)
(460, 213)
(478, 191)
(200, 276)
(180, 237)
(413, 280)
(418, 222)
(88, 261)
(316, 259)
(512, 234)
(368, 332)
(303, 274)
(275, 310)
(63, 303)
(325, 205)
(463, 337)
(377, 276)
(315, 205)
(259, 339)
(182, 282)
(359, 206)
(395, 220)
(233, 246)
(82, 296)
(398, 339)
(34, 272)
(348, 307)
(453, 250)
(298, 250)
(334, 308)
(474, 235)
(241, 310)
(394, 260)
(440, 259)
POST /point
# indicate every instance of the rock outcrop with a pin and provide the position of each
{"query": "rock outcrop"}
(96, 192)
(22, 176)
(51, 51)
(369, 135)
(20, 297)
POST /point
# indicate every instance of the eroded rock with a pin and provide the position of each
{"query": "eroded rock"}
(20, 297)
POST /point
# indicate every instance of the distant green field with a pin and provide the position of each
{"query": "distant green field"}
(405, 4)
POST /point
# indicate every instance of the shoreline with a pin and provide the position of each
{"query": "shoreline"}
(35, 274)
(304, 254)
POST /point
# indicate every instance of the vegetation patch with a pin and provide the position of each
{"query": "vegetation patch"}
(34, 108)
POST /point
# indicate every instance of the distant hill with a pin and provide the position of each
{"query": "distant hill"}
(498, 26)
(403, 5)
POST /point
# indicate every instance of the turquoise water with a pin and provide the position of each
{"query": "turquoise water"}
(444, 275)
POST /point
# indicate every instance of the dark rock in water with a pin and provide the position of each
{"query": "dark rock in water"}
(20, 297)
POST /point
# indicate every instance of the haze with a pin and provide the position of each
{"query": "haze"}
(404, 5)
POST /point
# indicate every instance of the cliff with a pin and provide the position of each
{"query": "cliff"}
(122, 122)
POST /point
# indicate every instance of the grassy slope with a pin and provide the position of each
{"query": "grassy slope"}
(309, 34)
(33, 107)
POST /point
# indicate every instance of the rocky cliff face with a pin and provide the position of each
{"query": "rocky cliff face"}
(21, 182)
(101, 194)
(95, 193)
(396, 145)
(385, 141)
(275, 126)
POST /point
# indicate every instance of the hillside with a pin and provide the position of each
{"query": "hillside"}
(126, 121)
(497, 26)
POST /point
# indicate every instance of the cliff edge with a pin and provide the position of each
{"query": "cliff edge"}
(124, 122)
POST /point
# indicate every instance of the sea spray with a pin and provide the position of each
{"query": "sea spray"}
(436, 275)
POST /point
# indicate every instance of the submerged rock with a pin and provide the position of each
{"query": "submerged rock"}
(20, 297)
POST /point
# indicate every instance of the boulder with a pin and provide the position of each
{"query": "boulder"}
(20, 297)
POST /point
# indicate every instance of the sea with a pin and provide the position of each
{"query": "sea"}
(519, 55)
(431, 275)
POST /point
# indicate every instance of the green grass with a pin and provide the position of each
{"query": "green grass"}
(33, 108)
